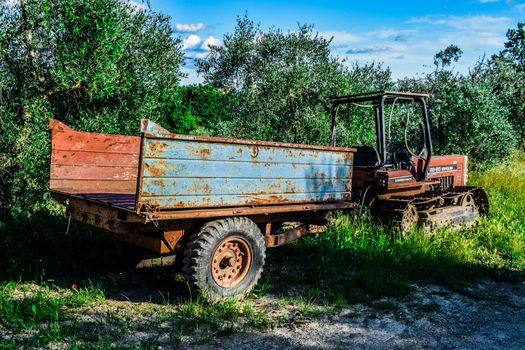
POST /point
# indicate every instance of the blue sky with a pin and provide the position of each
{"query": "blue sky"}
(404, 35)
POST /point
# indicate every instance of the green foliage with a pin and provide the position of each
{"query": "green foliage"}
(97, 65)
(505, 73)
(444, 58)
(472, 122)
(466, 117)
(515, 46)
(210, 108)
(282, 82)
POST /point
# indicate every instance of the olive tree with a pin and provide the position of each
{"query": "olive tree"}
(282, 80)
(465, 114)
(99, 65)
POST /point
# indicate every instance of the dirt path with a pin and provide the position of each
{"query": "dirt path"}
(490, 315)
(140, 309)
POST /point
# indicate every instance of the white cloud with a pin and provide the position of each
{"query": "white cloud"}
(189, 28)
(487, 1)
(11, 3)
(368, 50)
(392, 34)
(481, 22)
(210, 41)
(475, 40)
(520, 7)
(340, 37)
(138, 6)
(191, 42)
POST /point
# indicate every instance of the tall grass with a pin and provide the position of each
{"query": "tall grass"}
(500, 238)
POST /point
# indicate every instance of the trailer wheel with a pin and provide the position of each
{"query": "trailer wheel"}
(225, 258)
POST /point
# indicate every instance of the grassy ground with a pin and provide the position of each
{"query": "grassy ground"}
(354, 261)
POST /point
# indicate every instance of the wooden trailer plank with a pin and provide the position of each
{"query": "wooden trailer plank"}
(83, 162)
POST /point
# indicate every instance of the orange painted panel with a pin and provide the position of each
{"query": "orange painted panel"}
(83, 162)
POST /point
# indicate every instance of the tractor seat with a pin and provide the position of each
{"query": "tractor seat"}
(366, 157)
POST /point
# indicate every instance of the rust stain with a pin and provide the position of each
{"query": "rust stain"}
(205, 152)
(157, 147)
(158, 183)
(157, 170)
(276, 199)
(117, 143)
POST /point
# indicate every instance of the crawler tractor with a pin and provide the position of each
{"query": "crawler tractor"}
(398, 179)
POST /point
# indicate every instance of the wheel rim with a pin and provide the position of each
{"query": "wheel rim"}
(468, 200)
(231, 262)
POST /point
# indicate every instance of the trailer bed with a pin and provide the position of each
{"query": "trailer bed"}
(118, 200)
(160, 172)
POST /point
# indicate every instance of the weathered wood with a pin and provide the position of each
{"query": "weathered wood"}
(84, 162)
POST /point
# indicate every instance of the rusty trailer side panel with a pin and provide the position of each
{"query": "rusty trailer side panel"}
(178, 171)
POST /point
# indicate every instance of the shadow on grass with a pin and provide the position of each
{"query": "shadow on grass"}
(40, 249)
(354, 261)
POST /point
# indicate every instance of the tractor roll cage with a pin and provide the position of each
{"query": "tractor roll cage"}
(378, 100)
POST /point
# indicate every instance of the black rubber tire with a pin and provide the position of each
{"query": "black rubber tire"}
(200, 250)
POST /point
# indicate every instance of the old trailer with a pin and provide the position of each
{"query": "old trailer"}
(216, 203)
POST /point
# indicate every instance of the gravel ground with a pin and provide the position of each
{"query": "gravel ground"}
(486, 315)
(490, 315)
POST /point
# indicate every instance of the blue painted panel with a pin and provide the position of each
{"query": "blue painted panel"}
(241, 200)
(159, 168)
(179, 149)
(224, 186)
(179, 172)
